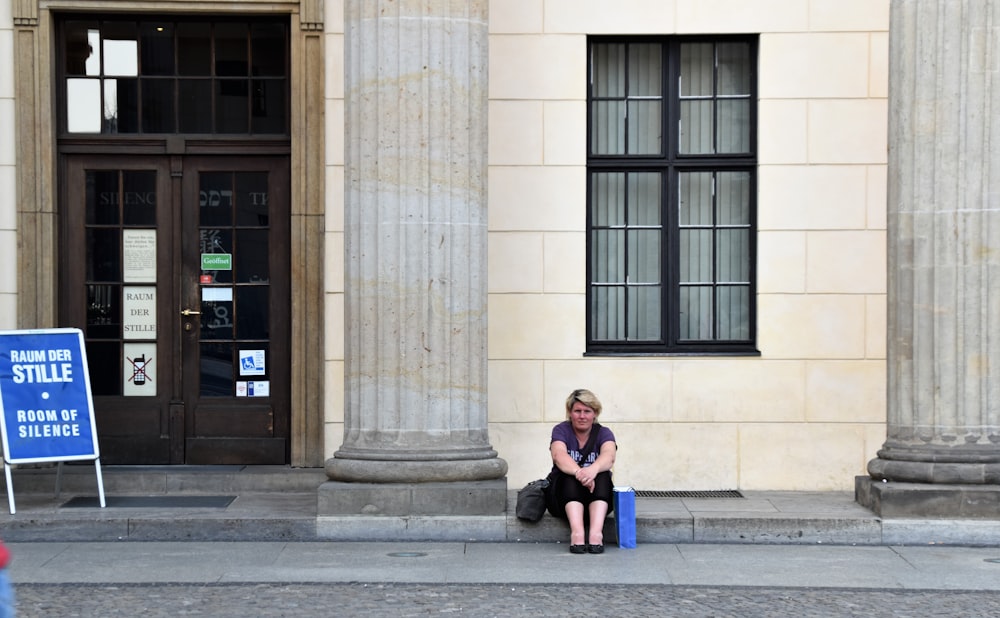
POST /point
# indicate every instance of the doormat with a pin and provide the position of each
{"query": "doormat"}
(152, 502)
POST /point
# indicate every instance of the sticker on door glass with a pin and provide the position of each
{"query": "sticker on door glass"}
(139, 372)
(260, 388)
(252, 363)
(217, 295)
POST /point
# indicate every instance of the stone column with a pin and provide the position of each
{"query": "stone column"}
(944, 245)
(416, 120)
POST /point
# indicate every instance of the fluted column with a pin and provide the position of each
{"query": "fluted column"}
(944, 244)
(416, 119)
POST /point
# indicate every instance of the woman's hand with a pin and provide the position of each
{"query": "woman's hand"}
(586, 478)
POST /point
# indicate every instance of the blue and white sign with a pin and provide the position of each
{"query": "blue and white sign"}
(47, 409)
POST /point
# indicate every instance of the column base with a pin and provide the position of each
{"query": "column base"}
(400, 470)
(927, 501)
(404, 499)
(972, 465)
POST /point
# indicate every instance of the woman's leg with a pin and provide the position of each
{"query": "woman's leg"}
(598, 512)
(574, 514)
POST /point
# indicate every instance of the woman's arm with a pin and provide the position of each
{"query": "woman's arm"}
(604, 462)
(562, 459)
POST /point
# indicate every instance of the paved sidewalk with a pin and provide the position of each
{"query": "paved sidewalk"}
(305, 580)
(799, 566)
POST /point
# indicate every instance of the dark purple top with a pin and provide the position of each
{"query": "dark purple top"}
(563, 432)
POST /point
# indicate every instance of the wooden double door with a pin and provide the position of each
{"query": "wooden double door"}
(176, 268)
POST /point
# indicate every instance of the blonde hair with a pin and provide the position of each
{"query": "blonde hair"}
(585, 397)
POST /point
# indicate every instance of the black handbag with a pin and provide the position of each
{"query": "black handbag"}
(531, 500)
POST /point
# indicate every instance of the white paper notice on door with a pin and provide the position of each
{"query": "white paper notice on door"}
(139, 312)
(139, 256)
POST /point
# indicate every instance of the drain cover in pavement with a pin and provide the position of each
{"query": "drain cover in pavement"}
(725, 493)
(153, 502)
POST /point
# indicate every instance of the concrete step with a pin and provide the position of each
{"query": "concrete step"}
(79, 479)
(280, 503)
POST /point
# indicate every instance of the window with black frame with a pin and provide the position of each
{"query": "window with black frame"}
(671, 192)
(200, 75)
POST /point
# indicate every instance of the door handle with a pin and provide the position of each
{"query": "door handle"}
(190, 312)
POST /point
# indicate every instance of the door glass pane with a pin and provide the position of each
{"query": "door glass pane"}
(103, 254)
(251, 256)
(252, 315)
(104, 362)
(216, 319)
(216, 244)
(251, 199)
(216, 375)
(104, 311)
(139, 197)
(102, 197)
(215, 199)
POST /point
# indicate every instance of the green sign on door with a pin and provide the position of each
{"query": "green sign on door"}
(216, 261)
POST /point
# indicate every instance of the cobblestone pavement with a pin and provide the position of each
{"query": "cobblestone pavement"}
(312, 600)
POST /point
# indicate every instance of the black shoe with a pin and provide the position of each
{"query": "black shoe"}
(578, 549)
(595, 549)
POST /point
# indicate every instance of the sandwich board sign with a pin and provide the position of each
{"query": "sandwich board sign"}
(46, 407)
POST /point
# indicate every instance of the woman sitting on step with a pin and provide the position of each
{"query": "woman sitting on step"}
(580, 487)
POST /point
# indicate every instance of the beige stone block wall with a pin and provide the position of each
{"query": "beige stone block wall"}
(8, 194)
(810, 411)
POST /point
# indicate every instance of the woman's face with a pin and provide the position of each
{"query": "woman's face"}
(581, 416)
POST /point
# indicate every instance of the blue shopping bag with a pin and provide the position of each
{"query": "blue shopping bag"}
(625, 516)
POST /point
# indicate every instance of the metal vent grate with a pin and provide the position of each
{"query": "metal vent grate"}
(724, 493)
